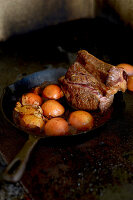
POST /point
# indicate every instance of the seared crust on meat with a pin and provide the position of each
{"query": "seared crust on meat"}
(90, 83)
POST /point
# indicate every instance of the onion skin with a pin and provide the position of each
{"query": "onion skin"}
(52, 108)
(56, 127)
(81, 120)
(31, 99)
(52, 92)
(130, 83)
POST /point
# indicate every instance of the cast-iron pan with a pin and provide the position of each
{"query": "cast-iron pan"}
(11, 95)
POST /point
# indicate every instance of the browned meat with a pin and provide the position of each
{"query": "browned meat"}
(90, 83)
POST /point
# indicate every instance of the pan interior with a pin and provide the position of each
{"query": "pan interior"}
(13, 92)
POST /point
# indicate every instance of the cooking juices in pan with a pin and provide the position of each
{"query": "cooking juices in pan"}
(44, 119)
(44, 111)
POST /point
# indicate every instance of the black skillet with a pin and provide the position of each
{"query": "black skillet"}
(11, 94)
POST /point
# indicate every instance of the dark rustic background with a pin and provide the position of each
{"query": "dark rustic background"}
(100, 168)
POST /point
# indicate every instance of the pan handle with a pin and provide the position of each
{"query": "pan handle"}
(15, 169)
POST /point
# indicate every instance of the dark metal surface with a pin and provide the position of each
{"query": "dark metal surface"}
(100, 167)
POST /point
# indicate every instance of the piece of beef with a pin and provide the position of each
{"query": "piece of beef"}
(90, 83)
